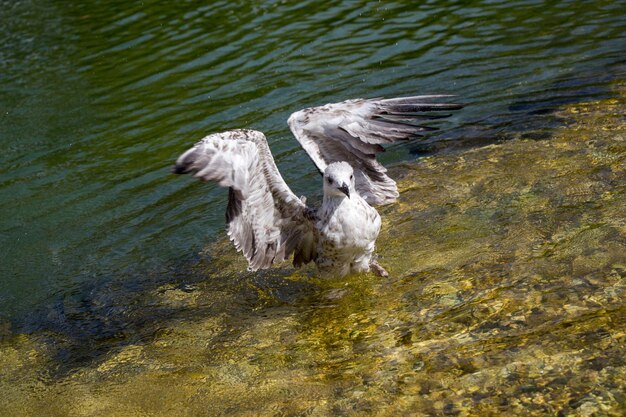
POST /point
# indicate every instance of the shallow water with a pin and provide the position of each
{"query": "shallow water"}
(506, 296)
(507, 254)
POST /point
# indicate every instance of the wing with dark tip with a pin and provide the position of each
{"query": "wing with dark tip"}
(266, 220)
(355, 130)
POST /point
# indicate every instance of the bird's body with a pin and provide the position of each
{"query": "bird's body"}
(268, 222)
(348, 235)
(347, 225)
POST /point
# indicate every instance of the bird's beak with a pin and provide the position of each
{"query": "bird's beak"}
(345, 189)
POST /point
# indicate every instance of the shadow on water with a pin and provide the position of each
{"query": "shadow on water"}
(83, 327)
(531, 118)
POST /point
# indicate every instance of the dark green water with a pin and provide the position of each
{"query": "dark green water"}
(98, 98)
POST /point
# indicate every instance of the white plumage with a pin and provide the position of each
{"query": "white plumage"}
(268, 223)
(347, 225)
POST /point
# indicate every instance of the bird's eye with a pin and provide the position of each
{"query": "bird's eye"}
(330, 180)
(351, 176)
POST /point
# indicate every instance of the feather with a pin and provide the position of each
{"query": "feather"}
(266, 221)
(354, 130)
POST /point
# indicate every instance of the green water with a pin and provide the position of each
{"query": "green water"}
(507, 253)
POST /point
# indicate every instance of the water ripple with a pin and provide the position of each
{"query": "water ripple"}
(100, 97)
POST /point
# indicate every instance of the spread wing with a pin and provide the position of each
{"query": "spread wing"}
(266, 220)
(355, 130)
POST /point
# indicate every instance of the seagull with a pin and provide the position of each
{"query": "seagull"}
(268, 223)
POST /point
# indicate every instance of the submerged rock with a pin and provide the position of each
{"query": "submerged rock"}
(506, 295)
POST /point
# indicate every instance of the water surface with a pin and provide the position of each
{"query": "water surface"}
(104, 252)
(99, 97)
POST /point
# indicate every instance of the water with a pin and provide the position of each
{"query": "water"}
(99, 98)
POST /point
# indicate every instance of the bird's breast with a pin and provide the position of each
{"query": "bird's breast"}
(352, 223)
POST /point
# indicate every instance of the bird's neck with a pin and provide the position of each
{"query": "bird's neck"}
(331, 202)
(333, 199)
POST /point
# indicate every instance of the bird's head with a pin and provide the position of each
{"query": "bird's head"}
(339, 180)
